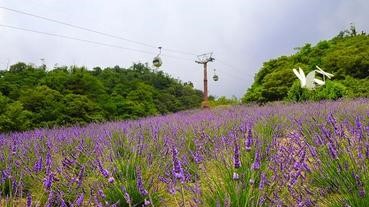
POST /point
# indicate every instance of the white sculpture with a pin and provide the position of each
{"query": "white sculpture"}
(309, 81)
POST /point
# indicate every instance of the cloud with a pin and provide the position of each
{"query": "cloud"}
(1, 16)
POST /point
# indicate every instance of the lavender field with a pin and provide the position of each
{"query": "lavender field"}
(314, 154)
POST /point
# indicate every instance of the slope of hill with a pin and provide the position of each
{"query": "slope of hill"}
(36, 97)
(346, 56)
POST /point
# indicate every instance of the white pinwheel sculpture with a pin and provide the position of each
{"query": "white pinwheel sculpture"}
(309, 81)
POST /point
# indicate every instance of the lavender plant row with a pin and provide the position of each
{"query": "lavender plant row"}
(313, 154)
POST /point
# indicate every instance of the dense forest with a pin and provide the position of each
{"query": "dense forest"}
(346, 56)
(32, 97)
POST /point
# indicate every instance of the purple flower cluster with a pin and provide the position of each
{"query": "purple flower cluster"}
(236, 155)
(139, 182)
(281, 154)
(177, 167)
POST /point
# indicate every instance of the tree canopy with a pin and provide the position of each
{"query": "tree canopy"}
(33, 96)
(346, 56)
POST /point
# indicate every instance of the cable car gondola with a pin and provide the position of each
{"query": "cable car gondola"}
(157, 60)
(215, 76)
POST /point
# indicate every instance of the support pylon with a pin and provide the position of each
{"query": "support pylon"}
(204, 59)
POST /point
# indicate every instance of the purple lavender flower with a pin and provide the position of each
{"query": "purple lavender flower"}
(359, 185)
(97, 202)
(14, 185)
(362, 192)
(263, 181)
(67, 162)
(29, 200)
(256, 164)
(277, 200)
(126, 195)
(5, 174)
(318, 140)
(177, 168)
(294, 177)
(80, 176)
(139, 183)
(358, 129)
(50, 199)
(197, 157)
(248, 141)
(38, 165)
(367, 150)
(14, 148)
(101, 194)
(111, 180)
(261, 201)
(171, 188)
(306, 167)
(333, 121)
(326, 132)
(297, 165)
(115, 204)
(63, 204)
(48, 162)
(360, 151)
(147, 202)
(79, 200)
(313, 151)
(236, 156)
(308, 203)
(103, 171)
(332, 151)
(164, 180)
(48, 180)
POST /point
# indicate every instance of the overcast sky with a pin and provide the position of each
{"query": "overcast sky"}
(241, 33)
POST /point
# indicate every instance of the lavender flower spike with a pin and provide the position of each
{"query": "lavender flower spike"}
(103, 171)
(256, 164)
(79, 200)
(236, 156)
(29, 200)
(48, 181)
(48, 163)
(177, 167)
(248, 141)
(263, 181)
(332, 151)
(38, 165)
(126, 195)
(139, 183)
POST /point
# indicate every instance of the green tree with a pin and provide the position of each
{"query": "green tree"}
(44, 103)
(142, 100)
(3, 102)
(346, 56)
(224, 101)
(79, 109)
(76, 95)
(15, 118)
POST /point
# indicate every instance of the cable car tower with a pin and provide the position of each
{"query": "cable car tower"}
(204, 59)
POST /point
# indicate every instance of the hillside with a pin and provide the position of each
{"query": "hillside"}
(33, 96)
(346, 56)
